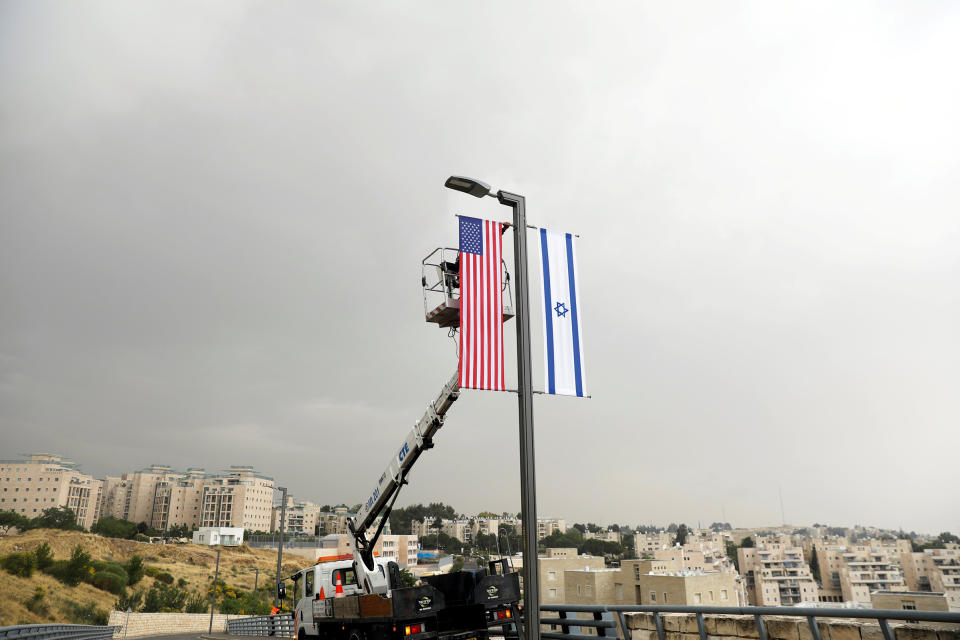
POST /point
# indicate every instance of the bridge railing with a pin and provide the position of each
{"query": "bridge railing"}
(57, 632)
(610, 620)
(279, 625)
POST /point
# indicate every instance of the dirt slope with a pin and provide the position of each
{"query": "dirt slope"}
(193, 563)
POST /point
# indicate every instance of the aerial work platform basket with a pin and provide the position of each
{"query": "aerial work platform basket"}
(440, 277)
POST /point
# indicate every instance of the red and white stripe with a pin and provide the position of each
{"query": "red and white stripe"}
(481, 314)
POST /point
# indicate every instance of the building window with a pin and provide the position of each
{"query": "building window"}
(551, 575)
(697, 598)
(723, 594)
(909, 605)
(653, 596)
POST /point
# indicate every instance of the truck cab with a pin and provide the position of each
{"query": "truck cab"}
(314, 585)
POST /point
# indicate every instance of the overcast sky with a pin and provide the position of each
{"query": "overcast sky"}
(212, 217)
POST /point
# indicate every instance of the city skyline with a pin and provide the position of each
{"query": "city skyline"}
(199, 472)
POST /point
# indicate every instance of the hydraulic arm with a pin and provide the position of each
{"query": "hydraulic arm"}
(381, 500)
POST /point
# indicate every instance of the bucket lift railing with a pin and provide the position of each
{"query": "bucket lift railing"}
(441, 288)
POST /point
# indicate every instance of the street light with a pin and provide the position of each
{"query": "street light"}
(283, 514)
(528, 486)
(468, 185)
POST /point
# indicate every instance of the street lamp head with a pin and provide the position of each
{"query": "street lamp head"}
(468, 185)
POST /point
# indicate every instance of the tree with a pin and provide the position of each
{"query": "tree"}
(815, 566)
(681, 537)
(748, 543)
(579, 527)
(111, 527)
(672, 528)
(56, 518)
(407, 579)
(10, 520)
(179, 531)
(43, 556)
(135, 570)
(731, 549)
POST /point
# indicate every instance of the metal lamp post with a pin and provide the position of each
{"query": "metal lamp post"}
(528, 479)
(213, 592)
(283, 513)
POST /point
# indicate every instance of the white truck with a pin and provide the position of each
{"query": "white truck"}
(372, 604)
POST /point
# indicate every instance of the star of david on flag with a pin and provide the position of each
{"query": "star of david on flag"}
(562, 329)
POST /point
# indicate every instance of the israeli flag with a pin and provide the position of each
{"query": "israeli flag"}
(562, 331)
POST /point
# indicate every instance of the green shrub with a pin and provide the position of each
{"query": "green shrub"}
(36, 604)
(135, 570)
(244, 603)
(43, 556)
(128, 601)
(77, 567)
(197, 603)
(111, 582)
(163, 598)
(19, 564)
(164, 577)
(85, 614)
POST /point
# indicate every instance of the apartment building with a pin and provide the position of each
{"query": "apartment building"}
(178, 502)
(934, 570)
(552, 567)
(706, 588)
(851, 573)
(604, 536)
(240, 498)
(685, 558)
(43, 481)
(777, 575)
(402, 549)
(909, 600)
(647, 543)
(546, 526)
(140, 489)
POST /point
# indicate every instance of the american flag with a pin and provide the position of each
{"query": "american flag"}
(481, 305)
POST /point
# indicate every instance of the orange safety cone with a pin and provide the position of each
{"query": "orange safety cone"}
(339, 593)
(321, 596)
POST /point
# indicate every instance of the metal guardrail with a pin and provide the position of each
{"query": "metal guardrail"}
(57, 632)
(611, 617)
(609, 620)
(278, 625)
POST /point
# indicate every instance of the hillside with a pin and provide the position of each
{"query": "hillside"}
(192, 563)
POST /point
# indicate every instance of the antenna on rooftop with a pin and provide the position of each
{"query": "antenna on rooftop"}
(783, 518)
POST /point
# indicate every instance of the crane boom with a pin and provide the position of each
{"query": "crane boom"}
(380, 502)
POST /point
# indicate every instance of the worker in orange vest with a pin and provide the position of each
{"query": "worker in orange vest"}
(273, 625)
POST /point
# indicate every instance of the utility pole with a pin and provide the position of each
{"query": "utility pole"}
(283, 517)
(256, 579)
(213, 591)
